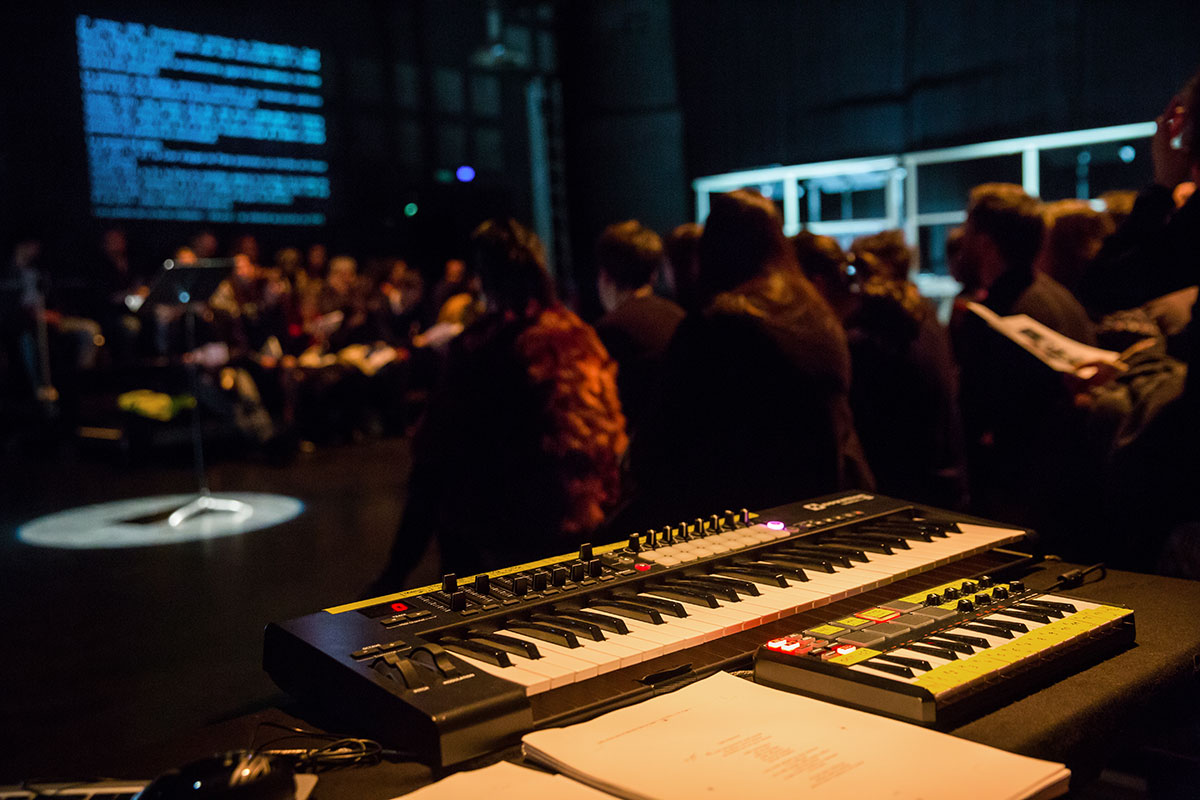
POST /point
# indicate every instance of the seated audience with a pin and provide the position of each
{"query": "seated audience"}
(518, 453)
(638, 324)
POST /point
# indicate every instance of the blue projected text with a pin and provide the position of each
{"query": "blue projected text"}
(196, 127)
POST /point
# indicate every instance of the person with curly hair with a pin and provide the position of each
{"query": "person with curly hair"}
(517, 456)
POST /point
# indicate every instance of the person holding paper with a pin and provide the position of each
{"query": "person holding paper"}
(1017, 417)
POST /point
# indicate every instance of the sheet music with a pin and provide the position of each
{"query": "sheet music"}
(728, 737)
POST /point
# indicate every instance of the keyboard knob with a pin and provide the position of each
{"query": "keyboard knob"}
(933, 599)
(731, 519)
(458, 601)
(449, 583)
(594, 568)
(1016, 587)
(744, 518)
(482, 584)
(635, 543)
(966, 606)
(683, 531)
(585, 552)
(714, 523)
(559, 576)
(651, 538)
(1000, 593)
(951, 593)
(668, 535)
(698, 522)
(539, 581)
(969, 587)
(986, 582)
(578, 571)
(521, 585)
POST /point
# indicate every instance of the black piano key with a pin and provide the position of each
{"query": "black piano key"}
(891, 540)
(738, 585)
(581, 628)
(991, 630)
(930, 528)
(663, 604)
(1030, 616)
(478, 650)
(975, 641)
(853, 553)
(903, 532)
(695, 597)
(949, 644)
(1015, 627)
(765, 576)
(795, 573)
(929, 650)
(894, 669)
(914, 663)
(518, 647)
(727, 593)
(797, 562)
(839, 559)
(1065, 607)
(629, 610)
(554, 634)
(602, 621)
(1038, 609)
(863, 544)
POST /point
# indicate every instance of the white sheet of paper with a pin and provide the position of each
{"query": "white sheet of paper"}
(505, 780)
(727, 737)
(1056, 351)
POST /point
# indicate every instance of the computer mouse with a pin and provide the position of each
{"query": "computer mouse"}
(236, 775)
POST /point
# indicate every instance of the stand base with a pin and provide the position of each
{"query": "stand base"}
(205, 503)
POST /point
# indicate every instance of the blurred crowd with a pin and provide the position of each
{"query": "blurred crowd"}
(732, 367)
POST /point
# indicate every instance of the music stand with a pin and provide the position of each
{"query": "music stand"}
(190, 286)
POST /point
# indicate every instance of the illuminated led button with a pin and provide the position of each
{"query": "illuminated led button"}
(775, 644)
(776, 525)
(853, 622)
(878, 614)
(642, 567)
(826, 631)
(845, 649)
(795, 647)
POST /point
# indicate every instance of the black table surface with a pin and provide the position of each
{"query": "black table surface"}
(1084, 720)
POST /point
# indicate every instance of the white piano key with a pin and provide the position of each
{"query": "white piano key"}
(561, 669)
(533, 682)
(603, 661)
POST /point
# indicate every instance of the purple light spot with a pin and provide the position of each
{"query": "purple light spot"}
(776, 525)
(465, 173)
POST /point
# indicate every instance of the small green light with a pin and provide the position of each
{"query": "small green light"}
(443, 176)
(410, 210)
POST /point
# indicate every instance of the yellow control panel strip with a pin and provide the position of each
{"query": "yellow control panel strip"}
(998, 657)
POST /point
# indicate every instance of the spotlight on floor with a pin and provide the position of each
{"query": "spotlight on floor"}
(146, 521)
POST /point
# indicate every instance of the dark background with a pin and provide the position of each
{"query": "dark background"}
(653, 94)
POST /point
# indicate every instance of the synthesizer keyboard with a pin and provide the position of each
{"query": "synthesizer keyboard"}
(939, 657)
(453, 671)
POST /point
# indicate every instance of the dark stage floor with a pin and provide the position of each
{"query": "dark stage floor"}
(108, 651)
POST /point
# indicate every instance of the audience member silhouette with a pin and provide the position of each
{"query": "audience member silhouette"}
(754, 409)
(904, 391)
(638, 324)
(518, 453)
